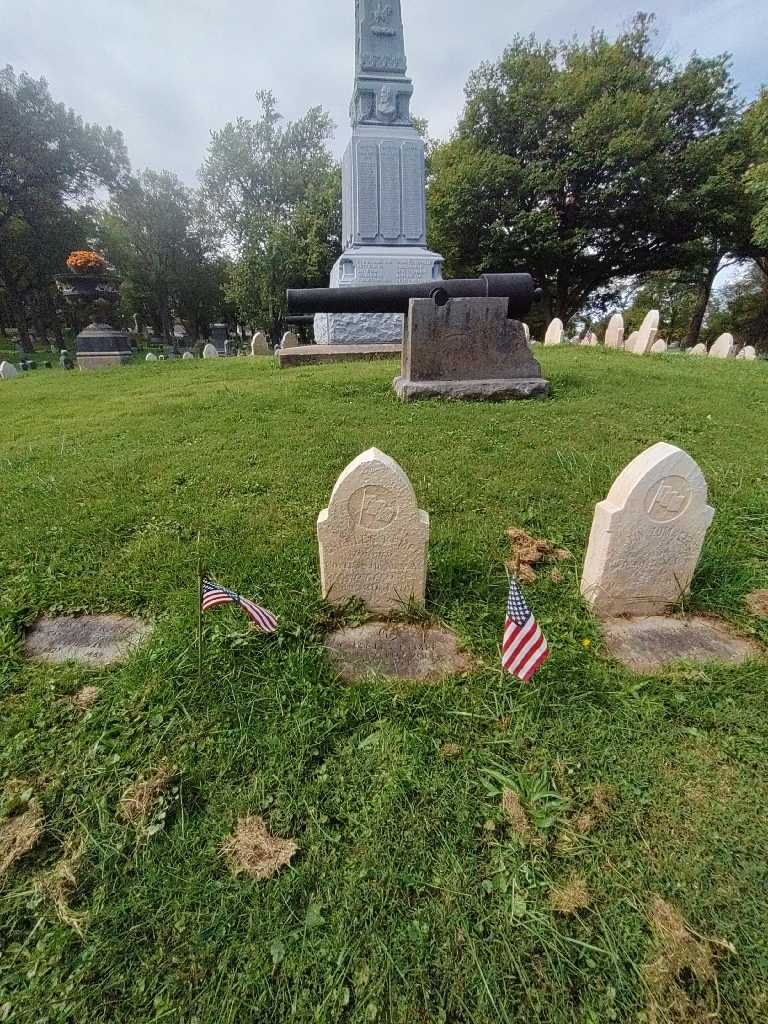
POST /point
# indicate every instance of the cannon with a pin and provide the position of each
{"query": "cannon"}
(519, 289)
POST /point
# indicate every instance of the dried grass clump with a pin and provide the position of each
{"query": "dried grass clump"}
(19, 835)
(518, 820)
(449, 751)
(84, 699)
(60, 884)
(683, 957)
(571, 897)
(255, 852)
(528, 551)
(138, 801)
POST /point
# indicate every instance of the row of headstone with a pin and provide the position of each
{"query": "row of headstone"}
(643, 550)
(646, 340)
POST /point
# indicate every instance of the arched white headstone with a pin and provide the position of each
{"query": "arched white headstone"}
(723, 348)
(210, 352)
(150, 357)
(659, 347)
(289, 340)
(8, 371)
(188, 355)
(647, 535)
(748, 352)
(373, 537)
(629, 344)
(647, 334)
(614, 335)
(698, 350)
(554, 335)
(259, 346)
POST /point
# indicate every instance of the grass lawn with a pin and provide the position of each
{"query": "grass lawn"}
(412, 899)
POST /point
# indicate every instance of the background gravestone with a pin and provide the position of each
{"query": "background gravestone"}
(554, 335)
(647, 334)
(723, 348)
(210, 352)
(698, 350)
(8, 371)
(259, 344)
(373, 537)
(614, 335)
(290, 340)
(647, 535)
(748, 352)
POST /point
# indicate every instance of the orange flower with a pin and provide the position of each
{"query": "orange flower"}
(86, 260)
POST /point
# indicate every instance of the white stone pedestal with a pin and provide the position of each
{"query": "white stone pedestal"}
(374, 265)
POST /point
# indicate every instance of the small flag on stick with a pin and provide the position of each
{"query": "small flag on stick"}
(524, 648)
(212, 595)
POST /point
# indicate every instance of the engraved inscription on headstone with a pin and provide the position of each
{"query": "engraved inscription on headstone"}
(647, 535)
(390, 191)
(373, 537)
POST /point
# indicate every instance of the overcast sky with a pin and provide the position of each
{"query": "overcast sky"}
(167, 72)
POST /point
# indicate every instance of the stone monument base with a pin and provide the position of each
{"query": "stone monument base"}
(375, 265)
(313, 355)
(467, 349)
(472, 390)
(100, 346)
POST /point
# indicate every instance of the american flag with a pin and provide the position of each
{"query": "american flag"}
(212, 594)
(524, 649)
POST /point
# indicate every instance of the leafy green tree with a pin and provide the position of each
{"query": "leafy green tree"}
(164, 252)
(741, 308)
(50, 161)
(276, 191)
(756, 121)
(589, 163)
(294, 253)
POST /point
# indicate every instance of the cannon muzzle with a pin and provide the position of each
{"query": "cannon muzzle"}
(519, 289)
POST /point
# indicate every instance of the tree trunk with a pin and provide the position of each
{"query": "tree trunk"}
(702, 301)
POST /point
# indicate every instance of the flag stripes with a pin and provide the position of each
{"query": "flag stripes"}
(213, 594)
(524, 647)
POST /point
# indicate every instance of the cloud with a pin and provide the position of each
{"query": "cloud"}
(167, 72)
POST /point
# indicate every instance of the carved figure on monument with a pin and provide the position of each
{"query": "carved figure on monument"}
(387, 104)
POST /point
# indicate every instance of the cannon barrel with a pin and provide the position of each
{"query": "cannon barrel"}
(519, 289)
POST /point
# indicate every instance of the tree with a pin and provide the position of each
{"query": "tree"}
(50, 161)
(756, 121)
(276, 191)
(288, 253)
(153, 235)
(588, 163)
(741, 308)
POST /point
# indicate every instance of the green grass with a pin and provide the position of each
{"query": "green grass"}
(410, 901)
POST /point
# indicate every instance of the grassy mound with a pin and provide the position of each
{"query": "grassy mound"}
(586, 849)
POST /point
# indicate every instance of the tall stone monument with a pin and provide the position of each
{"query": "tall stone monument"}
(384, 199)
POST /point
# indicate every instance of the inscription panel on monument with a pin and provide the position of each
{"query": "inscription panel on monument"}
(391, 191)
(368, 191)
(413, 191)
